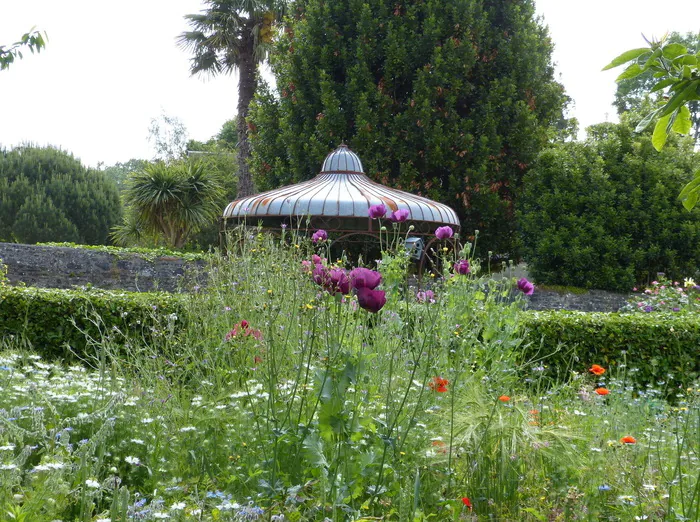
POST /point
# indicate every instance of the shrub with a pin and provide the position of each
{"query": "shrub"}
(604, 214)
(69, 323)
(658, 348)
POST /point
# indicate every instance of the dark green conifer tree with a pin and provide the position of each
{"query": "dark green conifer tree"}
(449, 99)
(38, 182)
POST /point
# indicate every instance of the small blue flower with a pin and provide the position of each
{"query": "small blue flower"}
(604, 487)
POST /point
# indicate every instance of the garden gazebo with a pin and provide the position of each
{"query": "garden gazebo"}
(338, 200)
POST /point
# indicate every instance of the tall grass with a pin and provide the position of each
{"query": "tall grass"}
(315, 409)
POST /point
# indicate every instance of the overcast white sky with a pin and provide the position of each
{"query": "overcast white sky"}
(110, 67)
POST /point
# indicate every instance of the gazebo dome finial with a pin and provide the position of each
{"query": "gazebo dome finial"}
(342, 160)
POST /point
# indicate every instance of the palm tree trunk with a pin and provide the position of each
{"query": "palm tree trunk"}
(246, 90)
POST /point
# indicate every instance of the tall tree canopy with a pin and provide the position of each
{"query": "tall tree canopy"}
(234, 35)
(450, 99)
(48, 195)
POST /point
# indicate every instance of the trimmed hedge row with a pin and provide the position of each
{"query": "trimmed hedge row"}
(656, 347)
(44, 317)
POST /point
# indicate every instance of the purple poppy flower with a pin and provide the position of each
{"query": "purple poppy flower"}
(461, 267)
(365, 278)
(427, 296)
(333, 281)
(444, 232)
(319, 235)
(525, 286)
(399, 216)
(339, 282)
(377, 211)
(320, 275)
(371, 300)
(648, 308)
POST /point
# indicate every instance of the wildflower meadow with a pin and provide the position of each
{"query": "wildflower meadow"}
(299, 387)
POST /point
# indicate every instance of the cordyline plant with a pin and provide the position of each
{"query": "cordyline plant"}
(676, 68)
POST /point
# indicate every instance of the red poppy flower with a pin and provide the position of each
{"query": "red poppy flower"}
(602, 391)
(597, 370)
(628, 439)
(439, 384)
(467, 502)
(504, 398)
(440, 446)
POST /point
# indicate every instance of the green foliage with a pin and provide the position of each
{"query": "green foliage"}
(170, 202)
(69, 323)
(3, 274)
(120, 171)
(658, 347)
(46, 194)
(676, 70)
(168, 135)
(35, 41)
(150, 254)
(218, 155)
(603, 214)
(450, 100)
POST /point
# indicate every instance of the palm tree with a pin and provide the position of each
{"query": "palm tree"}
(234, 35)
(169, 202)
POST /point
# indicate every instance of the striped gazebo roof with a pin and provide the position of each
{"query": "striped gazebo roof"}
(338, 199)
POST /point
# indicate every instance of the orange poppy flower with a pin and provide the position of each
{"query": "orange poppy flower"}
(504, 398)
(439, 384)
(602, 391)
(628, 440)
(597, 370)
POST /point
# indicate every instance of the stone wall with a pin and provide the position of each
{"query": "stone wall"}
(591, 301)
(64, 267)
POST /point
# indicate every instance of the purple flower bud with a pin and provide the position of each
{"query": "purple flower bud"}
(377, 211)
(525, 286)
(371, 300)
(399, 216)
(444, 232)
(365, 278)
(319, 235)
(461, 267)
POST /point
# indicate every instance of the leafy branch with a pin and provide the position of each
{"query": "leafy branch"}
(676, 69)
(35, 41)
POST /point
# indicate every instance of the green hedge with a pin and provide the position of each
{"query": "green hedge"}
(42, 317)
(653, 346)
